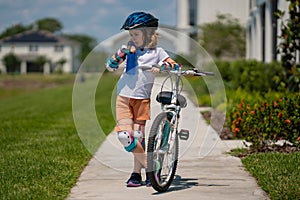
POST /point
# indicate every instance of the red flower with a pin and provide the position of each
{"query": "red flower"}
(278, 138)
(279, 115)
(298, 138)
(236, 130)
(287, 121)
(264, 104)
(236, 113)
(275, 104)
(252, 112)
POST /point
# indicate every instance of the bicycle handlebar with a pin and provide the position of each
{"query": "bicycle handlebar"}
(194, 71)
(197, 72)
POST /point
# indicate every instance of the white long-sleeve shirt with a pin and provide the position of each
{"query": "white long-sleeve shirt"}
(139, 85)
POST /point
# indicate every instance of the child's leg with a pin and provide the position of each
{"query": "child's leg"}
(140, 160)
(128, 137)
(139, 149)
(139, 128)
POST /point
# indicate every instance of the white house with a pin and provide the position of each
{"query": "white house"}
(60, 52)
(263, 29)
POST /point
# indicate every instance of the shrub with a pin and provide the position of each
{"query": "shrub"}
(267, 121)
(251, 75)
(289, 45)
(12, 62)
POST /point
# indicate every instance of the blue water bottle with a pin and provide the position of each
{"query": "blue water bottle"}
(131, 62)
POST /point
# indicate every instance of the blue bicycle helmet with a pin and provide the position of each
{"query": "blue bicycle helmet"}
(139, 20)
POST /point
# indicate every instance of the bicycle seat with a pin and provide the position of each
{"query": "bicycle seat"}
(165, 97)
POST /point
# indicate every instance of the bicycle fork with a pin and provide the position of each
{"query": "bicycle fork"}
(174, 125)
(165, 140)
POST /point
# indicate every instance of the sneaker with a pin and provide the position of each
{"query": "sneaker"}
(147, 182)
(135, 180)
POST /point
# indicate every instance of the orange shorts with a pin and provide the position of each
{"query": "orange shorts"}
(135, 109)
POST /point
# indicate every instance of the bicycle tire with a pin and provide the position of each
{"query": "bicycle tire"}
(156, 162)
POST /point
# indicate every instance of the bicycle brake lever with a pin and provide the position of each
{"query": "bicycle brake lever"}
(203, 73)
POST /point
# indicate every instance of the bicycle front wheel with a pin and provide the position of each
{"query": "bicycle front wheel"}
(162, 155)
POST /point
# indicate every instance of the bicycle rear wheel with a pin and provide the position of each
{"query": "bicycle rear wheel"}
(161, 160)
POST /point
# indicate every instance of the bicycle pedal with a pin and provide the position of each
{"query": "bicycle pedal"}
(184, 134)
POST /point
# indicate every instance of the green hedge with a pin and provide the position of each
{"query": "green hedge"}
(251, 75)
(242, 79)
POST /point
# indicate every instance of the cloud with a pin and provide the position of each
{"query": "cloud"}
(66, 10)
(80, 2)
(102, 12)
(11, 4)
(77, 2)
(25, 13)
(109, 1)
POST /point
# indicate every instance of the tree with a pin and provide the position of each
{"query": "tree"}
(15, 29)
(49, 24)
(59, 65)
(12, 62)
(225, 38)
(289, 44)
(87, 43)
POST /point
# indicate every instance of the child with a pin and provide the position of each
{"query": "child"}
(135, 85)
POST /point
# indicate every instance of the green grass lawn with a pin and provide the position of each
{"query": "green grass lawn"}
(277, 173)
(41, 155)
(12, 85)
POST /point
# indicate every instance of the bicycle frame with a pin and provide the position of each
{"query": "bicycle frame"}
(173, 107)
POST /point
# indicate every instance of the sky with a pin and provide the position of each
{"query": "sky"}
(97, 18)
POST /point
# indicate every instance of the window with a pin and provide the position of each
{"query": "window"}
(192, 12)
(59, 48)
(33, 47)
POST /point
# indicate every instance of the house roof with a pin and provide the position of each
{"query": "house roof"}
(37, 36)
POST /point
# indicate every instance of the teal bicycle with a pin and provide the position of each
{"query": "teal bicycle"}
(163, 140)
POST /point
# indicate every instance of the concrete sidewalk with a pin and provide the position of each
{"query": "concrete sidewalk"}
(204, 169)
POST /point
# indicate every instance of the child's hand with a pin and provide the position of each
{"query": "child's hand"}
(131, 47)
(155, 70)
